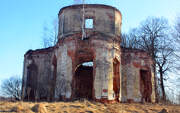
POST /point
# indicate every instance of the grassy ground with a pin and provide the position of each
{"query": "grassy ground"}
(85, 107)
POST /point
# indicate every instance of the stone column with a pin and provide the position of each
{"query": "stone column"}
(103, 82)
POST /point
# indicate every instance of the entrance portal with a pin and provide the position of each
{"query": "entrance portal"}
(145, 85)
(84, 81)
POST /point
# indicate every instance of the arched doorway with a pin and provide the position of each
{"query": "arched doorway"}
(116, 78)
(84, 80)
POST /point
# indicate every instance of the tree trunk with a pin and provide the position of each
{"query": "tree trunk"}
(162, 85)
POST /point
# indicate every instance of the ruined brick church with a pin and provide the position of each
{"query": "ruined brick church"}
(88, 61)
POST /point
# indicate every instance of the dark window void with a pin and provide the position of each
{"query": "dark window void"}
(145, 85)
(116, 78)
(89, 23)
(31, 85)
(83, 81)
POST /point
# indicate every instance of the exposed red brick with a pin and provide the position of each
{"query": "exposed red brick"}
(136, 64)
(130, 100)
(105, 90)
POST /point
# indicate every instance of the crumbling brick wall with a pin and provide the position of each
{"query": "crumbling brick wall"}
(73, 51)
(38, 74)
(135, 61)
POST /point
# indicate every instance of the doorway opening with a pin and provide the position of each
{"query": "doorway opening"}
(84, 81)
(116, 78)
(145, 85)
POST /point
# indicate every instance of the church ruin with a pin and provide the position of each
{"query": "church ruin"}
(88, 61)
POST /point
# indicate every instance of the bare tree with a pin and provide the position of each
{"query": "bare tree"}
(176, 36)
(12, 87)
(130, 40)
(165, 63)
(178, 98)
(177, 30)
(50, 35)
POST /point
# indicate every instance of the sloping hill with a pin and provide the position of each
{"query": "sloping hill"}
(86, 107)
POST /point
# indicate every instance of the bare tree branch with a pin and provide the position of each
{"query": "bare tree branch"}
(50, 35)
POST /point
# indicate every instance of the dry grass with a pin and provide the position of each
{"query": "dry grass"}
(85, 107)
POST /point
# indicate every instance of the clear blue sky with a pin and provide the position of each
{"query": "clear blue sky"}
(22, 22)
